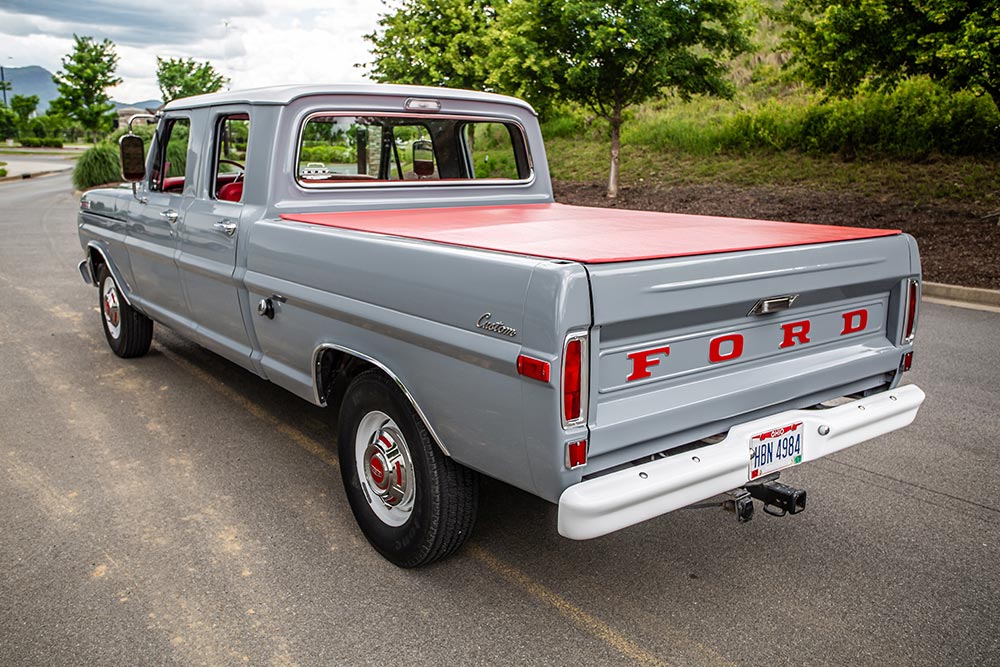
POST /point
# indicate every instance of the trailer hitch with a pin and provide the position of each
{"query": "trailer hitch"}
(779, 499)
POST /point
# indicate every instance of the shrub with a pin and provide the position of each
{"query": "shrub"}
(98, 165)
(40, 142)
(327, 154)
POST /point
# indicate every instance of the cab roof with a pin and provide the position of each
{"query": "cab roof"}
(281, 95)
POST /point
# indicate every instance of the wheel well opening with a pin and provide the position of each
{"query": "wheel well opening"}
(96, 262)
(334, 371)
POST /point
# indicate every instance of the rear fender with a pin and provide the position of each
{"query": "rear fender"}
(97, 255)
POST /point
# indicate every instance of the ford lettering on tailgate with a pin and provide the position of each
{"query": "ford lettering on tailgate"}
(688, 352)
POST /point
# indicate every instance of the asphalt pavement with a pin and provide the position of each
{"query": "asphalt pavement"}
(24, 163)
(177, 510)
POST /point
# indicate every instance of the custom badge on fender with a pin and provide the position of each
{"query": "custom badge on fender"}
(487, 324)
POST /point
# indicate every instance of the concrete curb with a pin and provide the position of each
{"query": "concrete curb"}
(34, 174)
(977, 295)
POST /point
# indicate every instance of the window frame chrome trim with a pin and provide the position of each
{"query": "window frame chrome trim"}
(309, 187)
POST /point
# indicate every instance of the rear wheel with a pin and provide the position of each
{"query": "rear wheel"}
(414, 504)
(129, 332)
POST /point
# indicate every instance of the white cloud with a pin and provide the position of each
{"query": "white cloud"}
(253, 43)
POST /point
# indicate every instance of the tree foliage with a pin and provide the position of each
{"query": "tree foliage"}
(24, 106)
(839, 44)
(82, 83)
(433, 43)
(179, 78)
(609, 56)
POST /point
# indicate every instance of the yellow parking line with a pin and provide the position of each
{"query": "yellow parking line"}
(589, 623)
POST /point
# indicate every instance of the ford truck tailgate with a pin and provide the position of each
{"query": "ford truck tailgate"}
(680, 350)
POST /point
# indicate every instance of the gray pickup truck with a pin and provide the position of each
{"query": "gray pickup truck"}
(395, 253)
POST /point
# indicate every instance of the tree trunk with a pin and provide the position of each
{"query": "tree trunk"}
(616, 134)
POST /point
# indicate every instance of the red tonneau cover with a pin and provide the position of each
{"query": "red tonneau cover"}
(583, 234)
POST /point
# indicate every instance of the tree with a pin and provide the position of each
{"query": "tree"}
(88, 72)
(839, 44)
(24, 106)
(179, 78)
(433, 43)
(609, 56)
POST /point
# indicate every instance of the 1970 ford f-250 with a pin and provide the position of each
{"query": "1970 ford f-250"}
(395, 253)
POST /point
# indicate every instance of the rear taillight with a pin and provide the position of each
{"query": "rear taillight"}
(907, 363)
(910, 322)
(576, 454)
(574, 380)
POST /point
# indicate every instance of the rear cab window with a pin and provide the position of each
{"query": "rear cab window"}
(342, 149)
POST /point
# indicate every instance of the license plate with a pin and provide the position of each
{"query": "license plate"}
(775, 449)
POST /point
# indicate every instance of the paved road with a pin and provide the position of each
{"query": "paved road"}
(22, 163)
(176, 510)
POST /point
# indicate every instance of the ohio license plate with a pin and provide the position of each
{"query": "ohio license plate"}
(775, 449)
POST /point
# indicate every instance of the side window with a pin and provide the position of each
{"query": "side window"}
(171, 157)
(232, 134)
(491, 149)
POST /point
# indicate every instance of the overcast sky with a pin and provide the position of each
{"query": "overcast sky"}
(253, 42)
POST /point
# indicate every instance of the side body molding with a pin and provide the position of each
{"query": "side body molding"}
(319, 394)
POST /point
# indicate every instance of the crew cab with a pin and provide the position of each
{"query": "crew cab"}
(424, 285)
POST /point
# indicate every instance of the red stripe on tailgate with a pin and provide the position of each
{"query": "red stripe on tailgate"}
(583, 234)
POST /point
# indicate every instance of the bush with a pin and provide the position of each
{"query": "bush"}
(916, 119)
(97, 166)
(40, 142)
(328, 154)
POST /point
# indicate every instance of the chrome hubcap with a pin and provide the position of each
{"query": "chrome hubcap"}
(111, 308)
(385, 468)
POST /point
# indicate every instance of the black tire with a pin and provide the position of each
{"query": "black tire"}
(134, 332)
(442, 509)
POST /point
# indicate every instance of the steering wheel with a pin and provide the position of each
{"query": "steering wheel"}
(241, 167)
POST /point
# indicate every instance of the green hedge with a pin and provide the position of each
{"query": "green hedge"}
(40, 142)
(97, 166)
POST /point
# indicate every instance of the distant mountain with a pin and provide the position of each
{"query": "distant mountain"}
(145, 104)
(34, 80)
(31, 80)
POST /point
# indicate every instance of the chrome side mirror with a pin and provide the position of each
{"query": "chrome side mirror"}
(132, 156)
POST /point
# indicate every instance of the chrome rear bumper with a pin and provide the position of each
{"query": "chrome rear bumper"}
(605, 504)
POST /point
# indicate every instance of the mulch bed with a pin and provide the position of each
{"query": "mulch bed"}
(958, 245)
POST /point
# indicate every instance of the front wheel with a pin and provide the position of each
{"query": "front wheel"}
(129, 332)
(414, 504)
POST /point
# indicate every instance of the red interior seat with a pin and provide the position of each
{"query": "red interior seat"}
(231, 191)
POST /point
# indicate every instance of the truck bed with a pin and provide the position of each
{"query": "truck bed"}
(584, 234)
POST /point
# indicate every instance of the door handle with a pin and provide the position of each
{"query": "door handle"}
(170, 214)
(227, 227)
